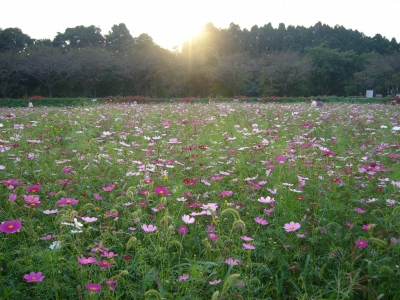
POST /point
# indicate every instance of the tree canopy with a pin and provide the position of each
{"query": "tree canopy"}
(282, 61)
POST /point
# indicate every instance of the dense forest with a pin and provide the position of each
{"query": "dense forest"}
(262, 61)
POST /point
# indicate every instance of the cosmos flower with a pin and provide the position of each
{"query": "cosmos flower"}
(361, 243)
(292, 226)
(248, 246)
(34, 277)
(93, 287)
(183, 277)
(233, 261)
(149, 228)
(187, 219)
(214, 282)
(66, 201)
(225, 194)
(182, 230)
(33, 189)
(86, 261)
(261, 221)
(10, 226)
(161, 190)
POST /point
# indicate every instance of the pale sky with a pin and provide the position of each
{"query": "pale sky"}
(172, 22)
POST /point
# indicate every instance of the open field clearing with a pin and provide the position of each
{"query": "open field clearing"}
(200, 201)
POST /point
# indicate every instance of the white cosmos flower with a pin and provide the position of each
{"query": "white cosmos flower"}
(187, 219)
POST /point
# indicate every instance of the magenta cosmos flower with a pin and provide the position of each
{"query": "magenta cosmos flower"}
(149, 228)
(292, 226)
(93, 287)
(34, 277)
(182, 230)
(33, 189)
(66, 201)
(361, 244)
(161, 190)
(10, 226)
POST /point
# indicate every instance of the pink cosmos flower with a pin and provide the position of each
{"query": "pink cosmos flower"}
(93, 287)
(246, 238)
(182, 230)
(267, 199)
(292, 226)
(104, 264)
(149, 228)
(31, 201)
(66, 201)
(281, 159)
(161, 190)
(47, 237)
(213, 237)
(183, 277)
(360, 211)
(50, 212)
(217, 178)
(209, 207)
(10, 226)
(108, 254)
(89, 219)
(233, 261)
(97, 197)
(261, 221)
(225, 194)
(187, 219)
(248, 246)
(216, 281)
(34, 277)
(111, 214)
(111, 283)
(366, 227)
(33, 189)
(349, 224)
(109, 187)
(66, 170)
(12, 197)
(361, 243)
(86, 261)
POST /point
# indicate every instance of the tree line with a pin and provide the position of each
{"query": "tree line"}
(262, 61)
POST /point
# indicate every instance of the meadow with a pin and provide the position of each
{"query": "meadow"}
(200, 201)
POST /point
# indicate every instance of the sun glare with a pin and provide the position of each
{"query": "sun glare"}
(176, 34)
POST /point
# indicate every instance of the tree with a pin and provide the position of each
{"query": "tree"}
(119, 38)
(8, 72)
(234, 71)
(79, 37)
(48, 65)
(13, 39)
(140, 68)
(381, 73)
(88, 66)
(284, 73)
(332, 70)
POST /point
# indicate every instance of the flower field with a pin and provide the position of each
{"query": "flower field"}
(200, 201)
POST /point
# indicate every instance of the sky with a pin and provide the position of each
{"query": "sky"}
(172, 22)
